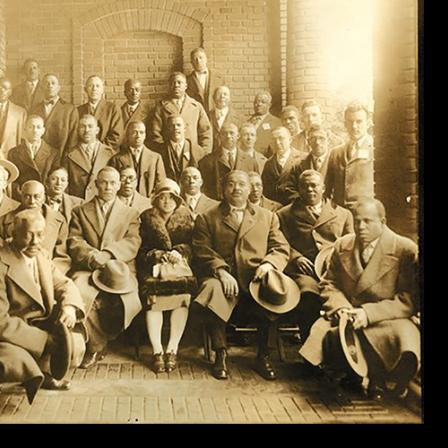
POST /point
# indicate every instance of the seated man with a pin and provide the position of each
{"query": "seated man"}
(190, 190)
(101, 230)
(35, 297)
(234, 244)
(128, 193)
(56, 197)
(246, 143)
(256, 194)
(56, 229)
(8, 174)
(215, 166)
(311, 223)
(372, 278)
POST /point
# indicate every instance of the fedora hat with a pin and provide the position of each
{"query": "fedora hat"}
(322, 260)
(276, 292)
(13, 172)
(168, 186)
(115, 277)
(351, 346)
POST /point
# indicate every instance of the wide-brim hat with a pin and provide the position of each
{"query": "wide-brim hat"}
(12, 170)
(168, 186)
(322, 260)
(115, 277)
(351, 346)
(276, 292)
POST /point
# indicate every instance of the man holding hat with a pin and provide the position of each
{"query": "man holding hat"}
(104, 230)
(8, 174)
(240, 254)
(38, 307)
(372, 282)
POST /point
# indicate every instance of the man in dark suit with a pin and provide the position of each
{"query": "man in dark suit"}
(179, 153)
(316, 160)
(202, 81)
(246, 143)
(56, 197)
(290, 118)
(215, 166)
(133, 109)
(263, 121)
(8, 174)
(373, 280)
(30, 92)
(256, 196)
(350, 166)
(190, 188)
(177, 102)
(310, 224)
(104, 230)
(278, 167)
(34, 158)
(128, 193)
(233, 244)
(147, 164)
(60, 117)
(222, 113)
(84, 161)
(107, 113)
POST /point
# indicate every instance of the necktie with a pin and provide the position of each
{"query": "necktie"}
(237, 215)
(256, 120)
(366, 254)
(231, 160)
(29, 88)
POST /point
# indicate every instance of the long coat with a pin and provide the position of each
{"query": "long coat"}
(61, 125)
(266, 203)
(215, 166)
(264, 133)
(197, 125)
(231, 117)
(150, 169)
(12, 130)
(219, 243)
(204, 96)
(119, 236)
(21, 98)
(347, 180)
(68, 204)
(7, 205)
(82, 174)
(110, 122)
(275, 178)
(24, 308)
(47, 158)
(386, 289)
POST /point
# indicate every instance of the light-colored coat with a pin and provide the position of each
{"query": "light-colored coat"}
(219, 243)
(264, 133)
(68, 204)
(386, 289)
(13, 129)
(7, 205)
(139, 202)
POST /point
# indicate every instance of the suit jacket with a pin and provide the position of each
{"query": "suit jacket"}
(270, 205)
(275, 179)
(264, 132)
(110, 122)
(21, 98)
(231, 117)
(82, 174)
(7, 205)
(291, 186)
(56, 232)
(347, 180)
(204, 96)
(150, 170)
(119, 236)
(204, 203)
(38, 169)
(11, 134)
(215, 166)
(139, 202)
(219, 243)
(24, 307)
(61, 125)
(69, 202)
(173, 168)
(198, 129)
(386, 289)
(141, 113)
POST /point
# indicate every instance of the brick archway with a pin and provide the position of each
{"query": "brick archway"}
(92, 29)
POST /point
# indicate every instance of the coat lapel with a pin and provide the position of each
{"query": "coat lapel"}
(76, 156)
(47, 291)
(115, 216)
(92, 216)
(227, 219)
(350, 260)
(42, 156)
(101, 160)
(249, 220)
(171, 108)
(326, 215)
(25, 156)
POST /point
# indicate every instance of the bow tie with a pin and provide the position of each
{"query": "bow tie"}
(55, 200)
(202, 73)
(51, 102)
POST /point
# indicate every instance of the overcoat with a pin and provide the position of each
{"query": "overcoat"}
(68, 204)
(204, 96)
(203, 204)
(139, 202)
(28, 102)
(141, 113)
(7, 205)
(264, 133)
(273, 206)
(12, 130)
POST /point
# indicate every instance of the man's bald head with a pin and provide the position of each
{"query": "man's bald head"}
(32, 194)
(28, 232)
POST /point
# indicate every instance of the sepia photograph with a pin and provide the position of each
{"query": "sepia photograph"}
(210, 212)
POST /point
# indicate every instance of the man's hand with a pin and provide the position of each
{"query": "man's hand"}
(99, 259)
(173, 257)
(359, 318)
(68, 316)
(262, 270)
(229, 283)
(305, 266)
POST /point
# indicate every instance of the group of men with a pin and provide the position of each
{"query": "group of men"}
(267, 194)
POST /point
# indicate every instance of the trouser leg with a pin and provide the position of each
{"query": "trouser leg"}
(216, 328)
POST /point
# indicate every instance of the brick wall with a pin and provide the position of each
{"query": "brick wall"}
(2, 38)
(396, 112)
(74, 38)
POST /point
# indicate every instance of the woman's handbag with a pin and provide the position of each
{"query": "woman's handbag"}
(171, 271)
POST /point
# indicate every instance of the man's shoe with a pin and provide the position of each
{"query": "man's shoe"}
(220, 370)
(90, 360)
(352, 383)
(264, 367)
(376, 392)
(51, 383)
(170, 361)
(62, 353)
(158, 363)
(32, 386)
(400, 391)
